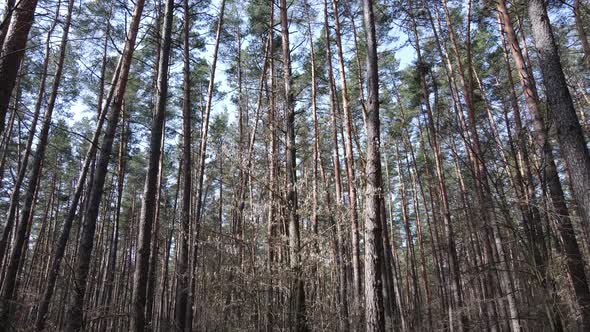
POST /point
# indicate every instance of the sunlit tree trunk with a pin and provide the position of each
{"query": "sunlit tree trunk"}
(570, 137)
(374, 315)
(349, 158)
(345, 324)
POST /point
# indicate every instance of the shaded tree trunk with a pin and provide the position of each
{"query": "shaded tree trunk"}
(60, 248)
(579, 20)
(148, 208)
(349, 158)
(202, 157)
(13, 51)
(16, 187)
(75, 314)
(22, 233)
(183, 299)
(297, 301)
(340, 237)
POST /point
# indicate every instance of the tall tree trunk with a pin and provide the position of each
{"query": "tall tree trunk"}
(155, 246)
(8, 290)
(75, 314)
(491, 233)
(316, 134)
(454, 271)
(297, 302)
(148, 208)
(523, 175)
(564, 225)
(569, 135)
(569, 132)
(60, 248)
(109, 279)
(272, 175)
(345, 324)
(22, 172)
(183, 299)
(298, 290)
(26, 218)
(410, 264)
(531, 216)
(375, 320)
(203, 156)
(7, 137)
(349, 158)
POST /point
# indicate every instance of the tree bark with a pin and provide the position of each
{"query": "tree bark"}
(569, 133)
(349, 158)
(375, 320)
(183, 299)
(13, 51)
(5, 23)
(297, 301)
(579, 20)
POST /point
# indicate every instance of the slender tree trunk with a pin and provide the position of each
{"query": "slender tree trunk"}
(109, 279)
(22, 172)
(350, 171)
(34, 177)
(60, 249)
(409, 238)
(148, 208)
(357, 57)
(75, 315)
(155, 245)
(374, 315)
(7, 138)
(316, 134)
(166, 286)
(183, 299)
(5, 23)
(454, 271)
(272, 175)
(298, 317)
(345, 323)
(202, 157)
(579, 19)
(492, 242)
(523, 175)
